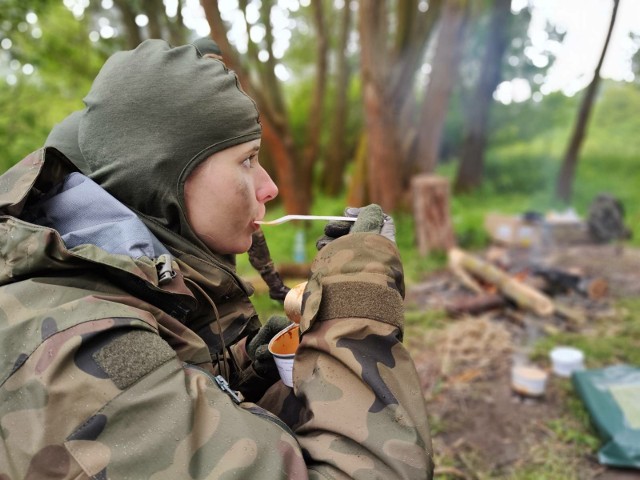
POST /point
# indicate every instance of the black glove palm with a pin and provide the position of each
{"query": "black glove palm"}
(258, 346)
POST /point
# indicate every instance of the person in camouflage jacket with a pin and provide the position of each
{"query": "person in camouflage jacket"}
(120, 304)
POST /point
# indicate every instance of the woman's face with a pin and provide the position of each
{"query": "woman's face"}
(225, 195)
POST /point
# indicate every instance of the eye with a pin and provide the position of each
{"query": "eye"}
(249, 162)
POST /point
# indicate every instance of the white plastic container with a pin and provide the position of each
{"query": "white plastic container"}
(283, 348)
(528, 380)
(566, 360)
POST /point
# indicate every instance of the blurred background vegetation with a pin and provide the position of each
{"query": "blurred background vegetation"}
(358, 97)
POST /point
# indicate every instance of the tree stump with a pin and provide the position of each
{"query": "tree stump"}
(434, 231)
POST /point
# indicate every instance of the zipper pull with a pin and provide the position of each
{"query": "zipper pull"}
(224, 386)
(165, 269)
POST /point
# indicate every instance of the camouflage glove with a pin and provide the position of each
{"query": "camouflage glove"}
(370, 219)
(257, 347)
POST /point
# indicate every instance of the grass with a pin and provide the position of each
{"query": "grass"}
(610, 340)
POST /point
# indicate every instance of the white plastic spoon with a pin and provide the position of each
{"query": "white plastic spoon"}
(288, 218)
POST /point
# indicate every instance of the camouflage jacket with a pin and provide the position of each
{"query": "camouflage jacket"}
(101, 378)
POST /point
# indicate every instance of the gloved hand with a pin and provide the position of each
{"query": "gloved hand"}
(370, 219)
(258, 346)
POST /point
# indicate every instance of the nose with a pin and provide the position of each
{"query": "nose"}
(266, 189)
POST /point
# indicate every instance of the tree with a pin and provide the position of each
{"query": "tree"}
(438, 91)
(337, 148)
(160, 24)
(388, 67)
(564, 185)
(316, 117)
(50, 65)
(470, 171)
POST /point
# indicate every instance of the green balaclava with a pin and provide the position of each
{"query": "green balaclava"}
(152, 115)
(64, 137)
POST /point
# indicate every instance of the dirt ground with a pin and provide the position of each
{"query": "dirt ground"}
(481, 428)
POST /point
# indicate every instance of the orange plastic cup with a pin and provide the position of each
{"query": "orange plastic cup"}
(283, 348)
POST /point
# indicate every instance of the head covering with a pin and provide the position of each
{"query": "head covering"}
(64, 137)
(152, 115)
(205, 45)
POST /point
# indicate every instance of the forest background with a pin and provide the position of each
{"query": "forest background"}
(359, 97)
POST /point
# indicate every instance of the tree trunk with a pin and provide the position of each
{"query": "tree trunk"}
(471, 167)
(438, 91)
(134, 38)
(314, 130)
(384, 174)
(153, 9)
(434, 230)
(411, 52)
(336, 153)
(358, 196)
(567, 172)
(177, 30)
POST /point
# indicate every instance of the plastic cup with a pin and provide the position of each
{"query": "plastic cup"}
(283, 348)
(566, 360)
(528, 380)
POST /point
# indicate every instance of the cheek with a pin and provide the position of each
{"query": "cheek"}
(244, 195)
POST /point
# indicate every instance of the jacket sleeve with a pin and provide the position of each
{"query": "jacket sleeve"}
(363, 413)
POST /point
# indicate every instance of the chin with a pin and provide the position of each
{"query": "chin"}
(241, 247)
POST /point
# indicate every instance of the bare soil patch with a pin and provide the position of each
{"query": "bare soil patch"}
(481, 428)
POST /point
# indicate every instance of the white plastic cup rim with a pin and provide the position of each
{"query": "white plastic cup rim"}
(566, 360)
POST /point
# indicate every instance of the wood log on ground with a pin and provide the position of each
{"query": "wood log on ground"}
(523, 295)
(434, 230)
(466, 279)
(474, 305)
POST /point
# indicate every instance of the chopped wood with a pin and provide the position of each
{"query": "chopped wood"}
(466, 279)
(475, 304)
(523, 295)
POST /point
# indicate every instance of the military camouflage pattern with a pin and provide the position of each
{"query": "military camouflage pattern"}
(260, 259)
(104, 373)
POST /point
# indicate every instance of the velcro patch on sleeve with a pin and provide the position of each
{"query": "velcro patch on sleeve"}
(131, 356)
(362, 299)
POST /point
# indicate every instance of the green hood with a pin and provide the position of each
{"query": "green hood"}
(152, 115)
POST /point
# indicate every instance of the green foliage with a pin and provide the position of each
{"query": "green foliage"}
(65, 62)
